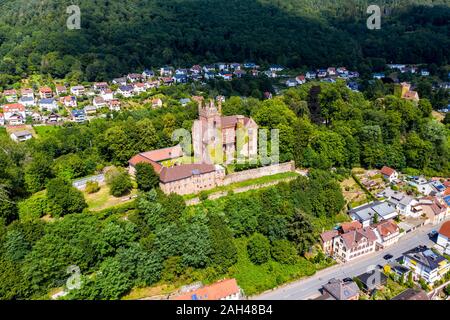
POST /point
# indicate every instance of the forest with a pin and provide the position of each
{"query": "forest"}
(117, 37)
(263, 238)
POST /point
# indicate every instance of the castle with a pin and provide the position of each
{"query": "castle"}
(218, 139)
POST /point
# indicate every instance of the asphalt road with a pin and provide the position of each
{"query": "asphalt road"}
(309, 287)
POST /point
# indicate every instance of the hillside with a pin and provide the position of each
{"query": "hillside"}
(120, 36)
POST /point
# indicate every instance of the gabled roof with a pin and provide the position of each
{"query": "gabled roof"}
(386, 228)
(184, 171)
(350, 226)
(341, 290)
(329, 235)
(353, 238)
(387, 171)
(424, 256)
(412, 294)
(445, 229)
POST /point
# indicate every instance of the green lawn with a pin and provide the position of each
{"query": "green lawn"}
(246, 183)
(3, 132)
(45, 131)
(254, 279)
(103, 200)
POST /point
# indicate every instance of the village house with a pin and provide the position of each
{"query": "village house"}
(36, 117)
(27, 102)
(406, 92)
(226, 289)
(213, 131)
(99, 102)
(152, 84)
(184, 102)
(331, 71)
(48, 104)
(155, 158)
(78, 90)
(139, 87)
(69, 101)
(239, 73)
(10, 95)
(389, 174)
(301, 79)
(327, 240)
(45, 93)
(21, 136)
(372, 280)
(147, 74)
(354, 244)
(126, 91)
(27, 93)
(107, 94)
(90, 110)
(426, 264)
(52, 118)
(443, 238)
(339, 290)
(100, 86)
(226, 75)
(120, 81)
(114, 105)
(291, 83)
(196, 69)
(78, 116)
(375, 210)
(134, 77)
(157, 103)
(166, 71)
(387, 232)
(61, 90)
(402, 202)
(431, 208)
(167, 81)
(14, 114)
(412, 295)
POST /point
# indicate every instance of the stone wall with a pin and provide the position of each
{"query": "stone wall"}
(258, 172)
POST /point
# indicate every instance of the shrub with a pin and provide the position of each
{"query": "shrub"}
(119, 182)
(258, 249)
(63, 198)
(92, 187)
(146, 177)
(284, 252)
(203, 195)
(33, 207)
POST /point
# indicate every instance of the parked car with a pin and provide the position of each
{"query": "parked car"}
(432, 234)
(388, 256)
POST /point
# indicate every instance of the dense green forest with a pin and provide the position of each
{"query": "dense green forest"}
(117, 37)
(156, 239)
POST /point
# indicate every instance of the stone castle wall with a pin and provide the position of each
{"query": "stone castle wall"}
(258, 172)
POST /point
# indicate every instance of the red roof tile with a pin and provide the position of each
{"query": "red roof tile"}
(387, 171)
(215, 291)
(184, 171)
(445, 229)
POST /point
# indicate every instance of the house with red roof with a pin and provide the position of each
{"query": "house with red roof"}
(45, 93)
(389, 174)
(226, 289)
(354, 244)
(14, 113)
(387, 232)
(10, 95)
(443, 238)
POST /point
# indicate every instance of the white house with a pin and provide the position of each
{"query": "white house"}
(402, 202)
(367, 213)
(389, 174)
(21, 136)
(27, 101)
(387, 233)
(125, 91)
(77, 90)
(27, 93)
(99, 102)
(48, 105)
(426, 264)
(444, 237)
(107, 95)
(69, 101)
(14, 113)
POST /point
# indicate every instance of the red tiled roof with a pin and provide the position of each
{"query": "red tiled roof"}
(45, 89)
(386, 228)
(352, 238)
(350, 226)
(141, 159)
(387, 171)
(184, 171)
(231, 121)
(9, 92)
(328, 235)
(164, 154)
(13, 107)
(215, 291)
(445, 229)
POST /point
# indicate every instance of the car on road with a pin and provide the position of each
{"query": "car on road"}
(348, 280)
(388, 257)
(432, 234)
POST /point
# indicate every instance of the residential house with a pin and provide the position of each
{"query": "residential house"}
(235, 66)
(406, 92)
(339, 290)
(397, 66)
(36, 117)
(276, 68)
(99, 102)
(379, 75)
(126, 91)
(14, 113)
(226, 289)
(152, 84)
(226, 75)
(69, 101)
(53, 118)
(326, 240)
(139, 87)
(354, 244)
(426, 264)
(375, 210)
(10, 95)
(372, 280)
(180, 78)
(249, 65)
(331, 71)
(155, 158)
(157, 103)
(27, 101)
(166, 71)
(210, 75)
(411, 295)
(101, 86)
(78, 116)
(90, 110)
(424, 73)
(443, 238)
(389, 174)
(431, 208)
(120, 81)
(48, 104)
(45, 93)
(61, 90)
(321, 73)
(387, 232)
(238, 73)
(291, 83)
(402, 202)
(114, 105)
(21, 136)
(78, 90)
(134, 77)
(301, 79)
(310, 75)
(147, 74)
(167, 81)
(27, 93)
(107, 95)
(184, 102)
(209, 68)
